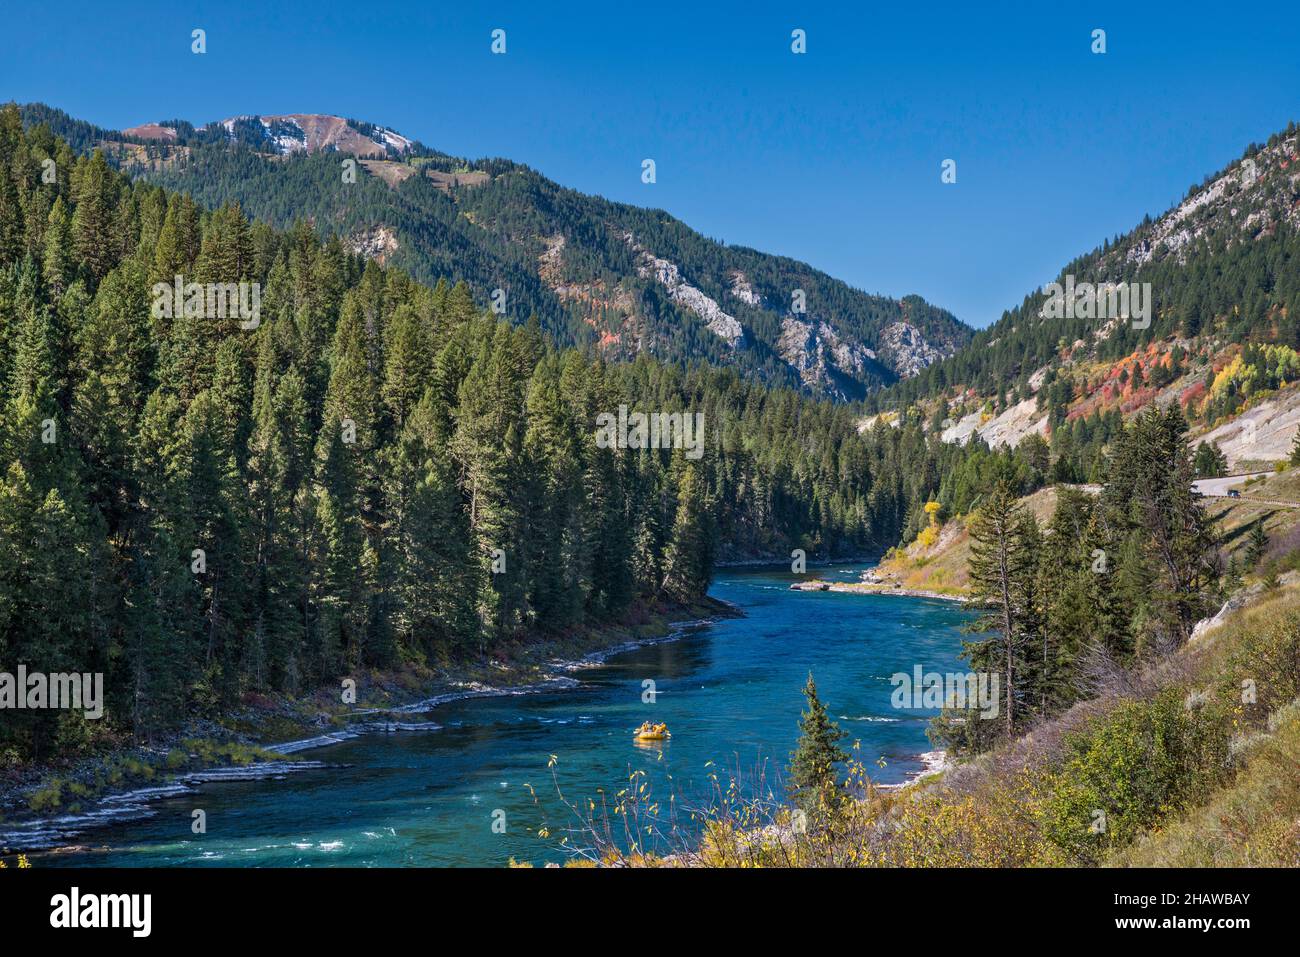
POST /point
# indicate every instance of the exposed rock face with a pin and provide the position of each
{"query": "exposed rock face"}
(621, 332)
(377, 243)
(721, 324)
(906, 350)
(742, 290)
(1250, 196)
(550, 264)
(816, 351)
(1260, 434)
(826, 360)
(1007, 429)
(152, 131)
(1239, 599)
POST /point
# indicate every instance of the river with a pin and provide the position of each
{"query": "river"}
(478, 791)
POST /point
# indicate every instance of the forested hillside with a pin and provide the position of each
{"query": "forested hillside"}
(1224, 262)
(629, 280)
(1221, 334)
(370, 471)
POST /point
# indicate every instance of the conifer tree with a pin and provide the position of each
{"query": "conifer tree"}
(1001, 573)
(92, 223)
(57, 262)
(1258, 546)
(688, 563)
(815, 762)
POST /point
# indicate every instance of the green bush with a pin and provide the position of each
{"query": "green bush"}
(1141, 762)
(47, 798)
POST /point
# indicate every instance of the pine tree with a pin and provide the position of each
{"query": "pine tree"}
(57, 262)
(688, 564)
(1001, 572)
(1210, 461)
(92, 222)
(346, 480)
(278, 451)
(12, 234)
(488, 447)
(814, 764)
(1258, 546)
(557, 556)
(1149, 501)
(436, 576)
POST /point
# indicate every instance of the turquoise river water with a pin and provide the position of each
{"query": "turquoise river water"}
(730, 692)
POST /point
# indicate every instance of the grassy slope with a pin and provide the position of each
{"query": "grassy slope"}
(1187, 771)
(943, 567)
(1255, 822)
(1254, 819)
(1236, 518)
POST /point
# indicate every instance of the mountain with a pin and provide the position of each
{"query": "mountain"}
(1214, 327)
(623, 279)
(285, 135)
(374, 474)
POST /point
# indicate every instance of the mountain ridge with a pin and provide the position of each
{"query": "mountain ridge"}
(1221, 338)
(622, 279)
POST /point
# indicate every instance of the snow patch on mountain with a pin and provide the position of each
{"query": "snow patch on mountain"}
(290, 133)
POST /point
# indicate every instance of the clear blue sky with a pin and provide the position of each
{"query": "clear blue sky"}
(832, 157)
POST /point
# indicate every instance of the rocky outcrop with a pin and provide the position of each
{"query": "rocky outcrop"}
(719, 322)
(742, 290)
(817, 352)
(905, 350)
(377, 243)
(1247, 198)
(1008, 428)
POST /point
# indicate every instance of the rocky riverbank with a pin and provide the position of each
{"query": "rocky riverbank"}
(876, 588)
(46, 806)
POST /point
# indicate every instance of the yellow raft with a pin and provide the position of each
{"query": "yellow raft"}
(649, 732)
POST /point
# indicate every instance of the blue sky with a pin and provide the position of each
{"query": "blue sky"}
(832, 157)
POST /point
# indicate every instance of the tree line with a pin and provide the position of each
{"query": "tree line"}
(375, 473)
(1111, 579)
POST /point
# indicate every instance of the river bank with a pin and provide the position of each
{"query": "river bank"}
(877, 588)
(43, 807)
(491, 768)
